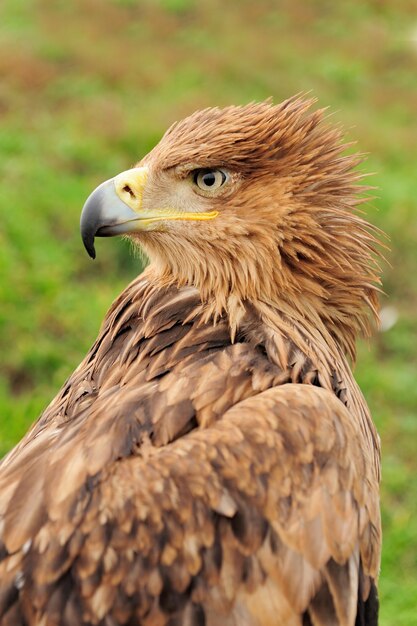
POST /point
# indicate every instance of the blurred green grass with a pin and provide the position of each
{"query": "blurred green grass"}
(88, 86)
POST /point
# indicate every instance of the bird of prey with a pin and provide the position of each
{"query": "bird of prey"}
(212, 461)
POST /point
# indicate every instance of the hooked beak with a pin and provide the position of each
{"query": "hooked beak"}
(115, 208)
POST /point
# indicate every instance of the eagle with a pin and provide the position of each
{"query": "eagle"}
(212, 461)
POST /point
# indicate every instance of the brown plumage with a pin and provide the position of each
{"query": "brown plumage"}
(212, 460)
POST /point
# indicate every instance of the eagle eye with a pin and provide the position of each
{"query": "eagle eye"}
(209, 179)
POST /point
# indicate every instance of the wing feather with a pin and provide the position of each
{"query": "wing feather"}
(176, 479)
(208, 523)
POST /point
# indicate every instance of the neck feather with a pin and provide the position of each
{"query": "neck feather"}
(331, 306)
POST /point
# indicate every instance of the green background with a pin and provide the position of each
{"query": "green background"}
(89, 86)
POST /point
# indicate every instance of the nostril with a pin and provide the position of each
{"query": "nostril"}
(129, 190)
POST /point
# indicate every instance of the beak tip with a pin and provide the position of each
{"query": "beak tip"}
(89, 246)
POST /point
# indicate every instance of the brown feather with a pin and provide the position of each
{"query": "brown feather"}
(212, 460)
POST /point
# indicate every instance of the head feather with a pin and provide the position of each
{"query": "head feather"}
(291, 233)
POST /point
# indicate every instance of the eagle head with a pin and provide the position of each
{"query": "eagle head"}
(251, 204)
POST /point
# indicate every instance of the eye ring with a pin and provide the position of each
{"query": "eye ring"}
(209, 179)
